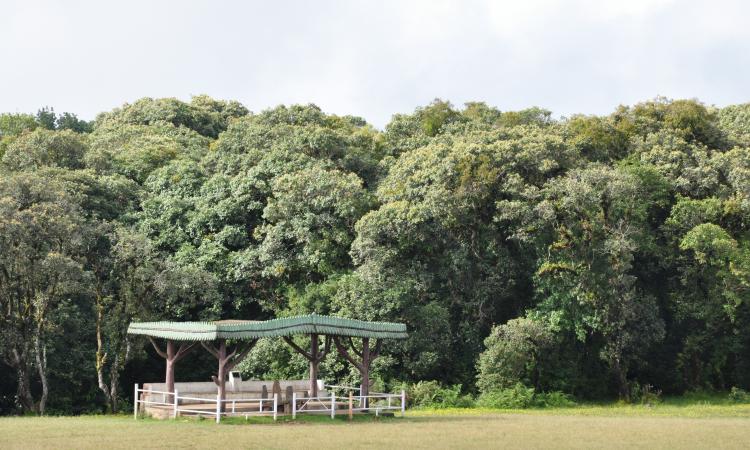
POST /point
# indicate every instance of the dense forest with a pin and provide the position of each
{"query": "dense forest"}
(591, 255)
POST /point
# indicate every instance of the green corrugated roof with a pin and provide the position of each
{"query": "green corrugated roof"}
(285, 326)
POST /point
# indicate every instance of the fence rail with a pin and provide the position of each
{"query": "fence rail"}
(377, 402)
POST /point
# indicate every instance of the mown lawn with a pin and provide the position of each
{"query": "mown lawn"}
(670, 425)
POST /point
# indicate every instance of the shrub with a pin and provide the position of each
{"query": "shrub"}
(737, 395)
(644, 394)
(431, 394)
(521, 397)
(512, 354)
(555, 399)
(516, 397)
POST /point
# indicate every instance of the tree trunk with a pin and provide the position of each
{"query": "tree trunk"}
(24, 380)
(114, 379)
(101, 356)
(622, 381)
(40, 351)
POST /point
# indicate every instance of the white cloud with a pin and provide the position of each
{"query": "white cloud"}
(373, 58)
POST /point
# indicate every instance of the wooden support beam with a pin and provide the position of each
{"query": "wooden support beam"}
(171, 355)
(314, 357)
(363, 364)
(227, 361)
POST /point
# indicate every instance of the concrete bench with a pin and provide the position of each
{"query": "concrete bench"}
(245, 389)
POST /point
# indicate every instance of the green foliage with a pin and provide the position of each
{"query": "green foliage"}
(206, 116)
(519, 396)
(531, 258)
(644, 394)
(16, 124)
(431, 394)
(435, 116)
(44, 148)
(516, 397)
(737, 395)
(514, 354)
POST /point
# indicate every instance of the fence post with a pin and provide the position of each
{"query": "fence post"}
(176, 399)
(294, 405)
(233, 403)
(275, 405)
(333, 405)
(135, 402)
(403, 402)
(218, 408)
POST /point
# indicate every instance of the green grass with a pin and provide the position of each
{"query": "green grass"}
(696, 405)
(675, 423)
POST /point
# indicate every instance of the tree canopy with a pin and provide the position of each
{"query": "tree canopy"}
(586, 254)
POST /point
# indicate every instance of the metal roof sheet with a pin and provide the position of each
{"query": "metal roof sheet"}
(284, 326)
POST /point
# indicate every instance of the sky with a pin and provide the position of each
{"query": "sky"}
(373, 58)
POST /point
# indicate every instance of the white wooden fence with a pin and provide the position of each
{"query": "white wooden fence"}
(178, 404)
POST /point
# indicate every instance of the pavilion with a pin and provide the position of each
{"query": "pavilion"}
(182, 337)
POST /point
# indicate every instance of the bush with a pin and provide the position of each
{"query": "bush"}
(517, 397)
(737, 395)
(522, 397)
(644, 394)
(512, 355)
(431, 394)
(554, 399)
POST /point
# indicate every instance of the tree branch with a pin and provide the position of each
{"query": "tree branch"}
(345, 354)
(297, 348)
(184, 350)
(211, 349)
(326, 349)
(161, 353)
(354, 347)
(376, 352)
(242, 355)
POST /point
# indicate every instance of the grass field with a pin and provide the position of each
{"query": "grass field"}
(671, 425)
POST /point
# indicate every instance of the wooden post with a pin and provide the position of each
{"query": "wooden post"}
(314, 357)
(275, 405)
(314, 361)
(351, 405)
(403, 402)
(218, 408)
(170, 366)
(227, 360)
(294, 405)
(363, 365)
(176, 399)
(135, 401)
(171, 355)
(364, 389)
(333, 405)
(222, 374)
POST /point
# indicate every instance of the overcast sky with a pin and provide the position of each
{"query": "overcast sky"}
(373, 58)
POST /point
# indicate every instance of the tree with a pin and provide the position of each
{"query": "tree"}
(42, 235)
(585, 279)
(716, 279)
(514, 353)
(44, 148)
(46, 118)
